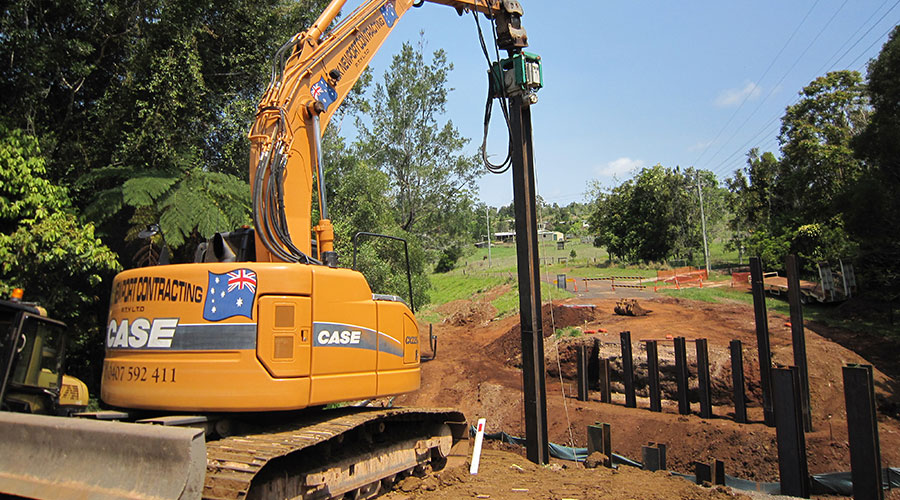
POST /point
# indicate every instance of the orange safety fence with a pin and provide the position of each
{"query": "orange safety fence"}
(680, 277)
(681, 272)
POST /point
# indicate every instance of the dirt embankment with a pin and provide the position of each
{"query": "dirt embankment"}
(477, 370)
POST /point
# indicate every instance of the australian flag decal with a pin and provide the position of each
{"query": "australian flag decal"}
(389, 13)
(323, 92)
(230, 294)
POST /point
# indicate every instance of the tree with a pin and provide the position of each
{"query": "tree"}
(430, 177)
(873, 213)
(608, 220)
(818, 166)
(752, 195)
(817, 160)
(43, 238)
(656, 214)
(360, 201)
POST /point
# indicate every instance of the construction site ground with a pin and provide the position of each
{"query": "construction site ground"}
(477, 371)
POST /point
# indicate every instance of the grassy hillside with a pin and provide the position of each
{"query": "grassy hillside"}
(477, 274)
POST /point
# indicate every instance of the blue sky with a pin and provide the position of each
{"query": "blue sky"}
(636, 83)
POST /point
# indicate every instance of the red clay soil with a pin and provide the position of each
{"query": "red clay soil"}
(476, 371)
(507, 476)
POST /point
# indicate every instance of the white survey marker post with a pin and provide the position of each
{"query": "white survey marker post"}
(476, 453)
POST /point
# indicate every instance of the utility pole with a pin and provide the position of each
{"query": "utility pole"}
(487, 217)
(703, 224)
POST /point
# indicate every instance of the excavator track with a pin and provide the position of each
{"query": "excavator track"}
(332, 453)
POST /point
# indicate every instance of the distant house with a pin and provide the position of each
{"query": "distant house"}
(542, 235)
(551, 236)
(505, 236)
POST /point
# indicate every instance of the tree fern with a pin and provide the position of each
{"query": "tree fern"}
(144, 190)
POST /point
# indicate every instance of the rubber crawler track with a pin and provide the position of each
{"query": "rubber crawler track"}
(233, 462)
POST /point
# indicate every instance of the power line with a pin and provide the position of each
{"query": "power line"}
(772, 91)
(765, 73)
(876, 42)
(866, 33)
(828, 63)
(722, 167)
(719, 170)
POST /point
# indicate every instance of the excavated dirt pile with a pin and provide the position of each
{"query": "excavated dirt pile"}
(509, 345)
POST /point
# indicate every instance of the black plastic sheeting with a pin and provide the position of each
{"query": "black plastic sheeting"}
(837, 483)
(556, 450)
(832, 483)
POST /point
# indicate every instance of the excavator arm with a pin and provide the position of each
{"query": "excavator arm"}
(311, 76)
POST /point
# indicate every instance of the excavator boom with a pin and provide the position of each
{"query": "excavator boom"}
(313, 74)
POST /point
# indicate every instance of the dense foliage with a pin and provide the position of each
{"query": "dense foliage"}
(834, 192)
(872, 215)
(117, 114)
(43, 237)
(796, 203)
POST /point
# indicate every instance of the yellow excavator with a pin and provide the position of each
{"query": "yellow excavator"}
(32, 362)
(231, 356)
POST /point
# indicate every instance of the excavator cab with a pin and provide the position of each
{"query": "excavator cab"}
(33, 349)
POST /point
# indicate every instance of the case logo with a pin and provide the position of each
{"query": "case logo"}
(336, 337)
(141, 333)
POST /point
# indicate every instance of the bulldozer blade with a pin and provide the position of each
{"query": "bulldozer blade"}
(58, 457)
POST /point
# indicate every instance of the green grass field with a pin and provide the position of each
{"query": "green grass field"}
(476, 274)
(483, 269)
(470, 281)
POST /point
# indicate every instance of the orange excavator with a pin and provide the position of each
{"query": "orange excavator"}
(227, 355)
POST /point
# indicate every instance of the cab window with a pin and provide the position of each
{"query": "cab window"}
(38, 361)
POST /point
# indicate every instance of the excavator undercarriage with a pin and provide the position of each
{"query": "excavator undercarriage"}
(365, 450)
(314, 454)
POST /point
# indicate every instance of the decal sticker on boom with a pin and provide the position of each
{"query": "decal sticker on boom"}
(230, 294)
(323, 92)
(389, 13)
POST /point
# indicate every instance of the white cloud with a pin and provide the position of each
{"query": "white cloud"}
(734, 97)
(619, 166)
(700, 146)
